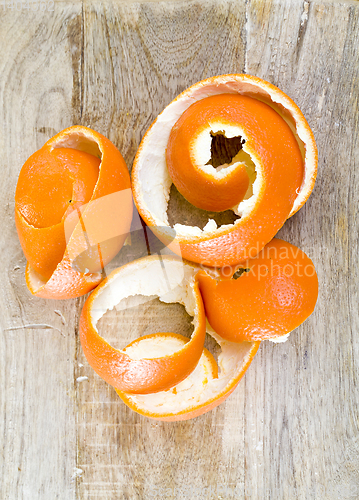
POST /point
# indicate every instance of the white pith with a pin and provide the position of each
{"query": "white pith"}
(168, 279)
(151, 171)
(77, 138)
(200, 387)
(281, 339)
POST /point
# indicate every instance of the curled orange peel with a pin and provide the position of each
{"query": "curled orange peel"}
(168, 279)
(73, 209)
(163, 376)
(275, 292)
(65, 282)
(278, 143)
(199, 182)
(204, 389)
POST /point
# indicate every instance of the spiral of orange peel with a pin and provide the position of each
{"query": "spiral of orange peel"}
(278, 145)
(164, 375)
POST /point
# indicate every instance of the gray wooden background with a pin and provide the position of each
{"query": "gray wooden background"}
(290, 430)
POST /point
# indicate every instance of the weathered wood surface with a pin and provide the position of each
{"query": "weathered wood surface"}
(290, 430)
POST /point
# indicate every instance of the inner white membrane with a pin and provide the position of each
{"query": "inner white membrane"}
(82, 141)
(201, 151)
(152, 169)
(172, 281)
(202, 385)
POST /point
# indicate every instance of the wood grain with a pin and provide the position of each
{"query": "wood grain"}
(311, 418)
(290, 430)
(37, 399)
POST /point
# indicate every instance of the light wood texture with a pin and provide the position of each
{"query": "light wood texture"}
(290, 430)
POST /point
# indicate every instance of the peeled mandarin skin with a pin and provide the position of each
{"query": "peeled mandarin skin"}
(65, 282)
(199, 188)
(140, 376)
(51, 184)
(276, 294)
(152, 369)
(73, 211)
(195, 410)
(261, 215)
(271, 143)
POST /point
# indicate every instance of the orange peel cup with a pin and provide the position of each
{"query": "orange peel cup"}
(268, 181)
(164, 375)
(275, 292)
(73, 210)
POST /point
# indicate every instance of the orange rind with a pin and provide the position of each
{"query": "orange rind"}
(277, 188)
(73, 210)
(164, 376)
(203, 185)
(204, 389)
(275, 292)
(171, 281)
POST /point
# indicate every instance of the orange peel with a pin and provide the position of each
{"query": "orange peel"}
(157, 387)
(206, 187)
(171, 281)
(204, 389)
(274, 194)
(73, 210)
(276, 292)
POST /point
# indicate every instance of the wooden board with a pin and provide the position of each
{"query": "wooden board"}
(290, 430)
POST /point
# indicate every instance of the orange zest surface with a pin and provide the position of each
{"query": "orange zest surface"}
(61, 206)
(139, 376)
(277, 292)
(201, 185)
(278, 141)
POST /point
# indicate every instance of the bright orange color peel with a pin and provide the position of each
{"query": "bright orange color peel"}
(279, 142)
(276, 293)
(270, 140)
(194, 407)
(52, 183)
(139, 376)
(207, 189)
(64, 283)
(57, 187)
(184, 381)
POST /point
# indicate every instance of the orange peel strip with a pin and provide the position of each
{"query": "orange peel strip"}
(52, 183)
(171, 281)
(264, 212)
(187, 153)
(275, 294)
(204, 389)
(83, 165)
(65, 282)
